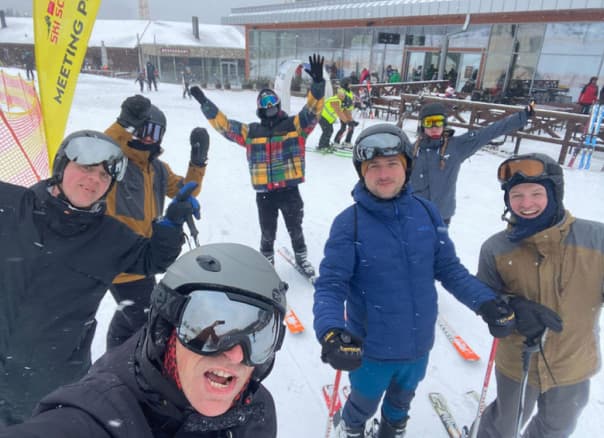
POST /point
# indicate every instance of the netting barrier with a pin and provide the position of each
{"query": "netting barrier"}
(23, 152)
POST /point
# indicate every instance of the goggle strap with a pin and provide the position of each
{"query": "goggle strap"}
(168, 303)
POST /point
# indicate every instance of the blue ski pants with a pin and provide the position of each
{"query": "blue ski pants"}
(398, 379)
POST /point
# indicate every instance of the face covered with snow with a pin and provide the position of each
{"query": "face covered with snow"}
(211, 383)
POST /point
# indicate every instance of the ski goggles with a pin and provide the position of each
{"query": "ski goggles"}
(268, 101)
(526, 167)
(437, 121)
(374, 145)
(92, 151)
(214, 321)
(151, 132)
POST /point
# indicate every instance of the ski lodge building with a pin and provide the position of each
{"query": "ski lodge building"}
(545, 48)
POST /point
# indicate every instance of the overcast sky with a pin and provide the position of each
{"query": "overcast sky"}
(208, 11)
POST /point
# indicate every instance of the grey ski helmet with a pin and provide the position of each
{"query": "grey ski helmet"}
(383, 139)
(90, 148)
(227, 276)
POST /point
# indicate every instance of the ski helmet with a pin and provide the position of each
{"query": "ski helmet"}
(531, 168)
(345, 84)
(230, 289)
(90, 148)
(154, 128)
(268, 103)
(432, 109)
(383, 139)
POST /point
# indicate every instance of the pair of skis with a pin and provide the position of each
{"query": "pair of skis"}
(591, 138)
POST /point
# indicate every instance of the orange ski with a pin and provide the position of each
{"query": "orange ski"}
(460, 345)
(293, 323)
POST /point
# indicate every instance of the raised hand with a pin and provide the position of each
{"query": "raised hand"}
(315, 69)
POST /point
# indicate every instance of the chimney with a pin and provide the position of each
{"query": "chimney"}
(2, 19)
(195, 21)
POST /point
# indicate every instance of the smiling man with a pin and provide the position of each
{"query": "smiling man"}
(58, 255)
(381, 260)
(173, 379)
(550, 266)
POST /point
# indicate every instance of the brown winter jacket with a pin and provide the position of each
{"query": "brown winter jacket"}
(139, 197)
(562, 268)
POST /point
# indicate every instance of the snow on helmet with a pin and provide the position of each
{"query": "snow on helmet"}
(531, 168)
(218, 296)
(154, 128)
(268, 103)
(90, 148)
(383, 139)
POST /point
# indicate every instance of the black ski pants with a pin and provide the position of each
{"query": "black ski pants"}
(327, 128)
(340, 133)
(291, 205)
(133, 303)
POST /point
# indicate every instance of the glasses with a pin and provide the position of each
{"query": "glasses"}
(267, 101)
(213, 322)
(151, 132)
(383, 144)
(527, 167)
(437, 121)
(91, 151)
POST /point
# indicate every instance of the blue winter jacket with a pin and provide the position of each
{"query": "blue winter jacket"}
(381, 260)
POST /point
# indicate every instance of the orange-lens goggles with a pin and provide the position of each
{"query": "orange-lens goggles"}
(527, 167)
(433, 121)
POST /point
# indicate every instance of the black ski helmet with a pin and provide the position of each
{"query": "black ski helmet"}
(345, 84)
(396, 140)
(228, 267)
(268, 103)
(432, 109)
(89, 147)
(155, 126)
(552, 171)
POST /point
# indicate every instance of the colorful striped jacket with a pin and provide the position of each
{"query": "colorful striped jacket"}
(275, 148)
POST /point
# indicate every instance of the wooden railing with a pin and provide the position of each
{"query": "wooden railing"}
(564, 129)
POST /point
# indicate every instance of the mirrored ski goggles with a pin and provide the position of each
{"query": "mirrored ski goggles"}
(374, 145)
(151, 133)
(213, 322)
(437, 121)
(527, 167)
(267, 101)
(92, 151)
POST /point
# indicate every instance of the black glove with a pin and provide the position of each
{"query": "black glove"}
(533, 318)
(315, 69)
(182, 206)
(341, 350)
(135, 111)
(200, 143)
(198, 94)
(499, 316)
(353, 123)
(530, 109)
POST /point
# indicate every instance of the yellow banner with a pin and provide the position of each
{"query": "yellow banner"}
(62, 29)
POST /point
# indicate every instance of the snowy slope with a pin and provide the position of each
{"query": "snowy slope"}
(229, 215)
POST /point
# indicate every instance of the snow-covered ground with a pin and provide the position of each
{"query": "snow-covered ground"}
(229, 215)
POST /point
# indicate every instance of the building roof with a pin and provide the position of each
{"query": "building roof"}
(123, 33)
(337, 10)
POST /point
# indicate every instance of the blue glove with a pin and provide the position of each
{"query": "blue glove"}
(182, 206)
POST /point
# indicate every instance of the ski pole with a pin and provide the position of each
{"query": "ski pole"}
(334, 403)
(193, 231)
(485, 387)
(530, 346)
